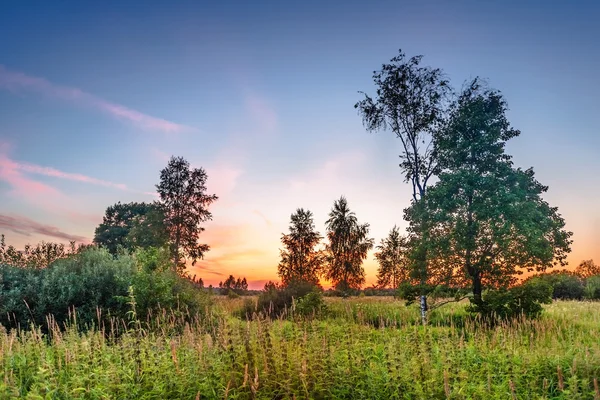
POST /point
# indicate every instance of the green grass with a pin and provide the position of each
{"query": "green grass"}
(365, 348)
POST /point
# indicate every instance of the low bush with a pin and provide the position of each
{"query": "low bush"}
(524, 300)
(277, 301)
(93, 286)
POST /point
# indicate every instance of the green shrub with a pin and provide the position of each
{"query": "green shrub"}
(311, 303)
(97, 286)
(565, 285)
(523, 300)
(276, 300)
(592, 288)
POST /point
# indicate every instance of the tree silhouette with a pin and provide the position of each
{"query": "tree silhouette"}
(485, 218)
(184, 202)
(300, 260)
(587, 268)
(348, 246)
(392, 256)
(410, 101)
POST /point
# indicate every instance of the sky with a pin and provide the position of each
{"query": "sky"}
(96, 96)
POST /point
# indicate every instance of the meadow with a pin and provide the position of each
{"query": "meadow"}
(359, 348)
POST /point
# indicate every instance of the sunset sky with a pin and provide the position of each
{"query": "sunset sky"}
(94, 99)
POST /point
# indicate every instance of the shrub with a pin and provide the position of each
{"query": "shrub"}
(523, 300)
(98, 286)
(86, 282)
(565, 285)
(592, 288)
(277, 300)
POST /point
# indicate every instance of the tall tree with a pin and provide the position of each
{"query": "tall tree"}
(119, 220)
(184, 202)
(348, 246)
(300, 260)
(392, 256)
(485, 218)
(411, 102)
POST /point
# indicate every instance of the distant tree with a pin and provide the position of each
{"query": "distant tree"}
(392, 256)
(348, 246)
(39, 256)
(184, 202)
(411, 102)
(300, 260)
(120, 219)
(239, 285)
(485, 218)
(587, 268)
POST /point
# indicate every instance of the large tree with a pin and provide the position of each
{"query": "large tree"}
(348, 246)
(392, 256)
(144, 219)
(411, 102)
(300, 259)
(184, 202)
(487, 219)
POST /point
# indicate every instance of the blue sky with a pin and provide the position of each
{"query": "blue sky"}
(94, 98)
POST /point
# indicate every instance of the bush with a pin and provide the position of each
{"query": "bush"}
(86, 282)
(277, 301)
(565, 286)
(523, 300)
(98, 286)
(592, 288)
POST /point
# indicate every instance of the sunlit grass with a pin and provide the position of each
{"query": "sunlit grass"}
(369, 348)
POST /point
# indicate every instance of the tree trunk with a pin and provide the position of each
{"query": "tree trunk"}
(477, 289)
(424, 309)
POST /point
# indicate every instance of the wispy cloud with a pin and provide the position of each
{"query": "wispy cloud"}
(48, 171)
(16, 81)
(27, 227)
(11, 171)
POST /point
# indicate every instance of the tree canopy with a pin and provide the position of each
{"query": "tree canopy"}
(119, 220)
(300, 259)
(184, 202)
(487, 219)
(349, 243)
(392, 256)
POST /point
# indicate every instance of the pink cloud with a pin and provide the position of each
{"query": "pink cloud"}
(15, 81)
(23, 186)
(47, 171)
(27, 227)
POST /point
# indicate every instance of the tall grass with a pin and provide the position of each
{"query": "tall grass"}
(362, 349)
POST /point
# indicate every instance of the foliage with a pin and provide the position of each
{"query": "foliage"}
(587, 268)
(487, 221)
(565, 285)
(522, 300)
(299, 258)
(129, 226)
(348, 246)
(184, 202)
(392, 256)
(280, 300)
(90, 282)
(98, 287)
(592, 288)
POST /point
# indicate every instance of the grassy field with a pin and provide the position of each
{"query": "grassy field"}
(363, 348)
